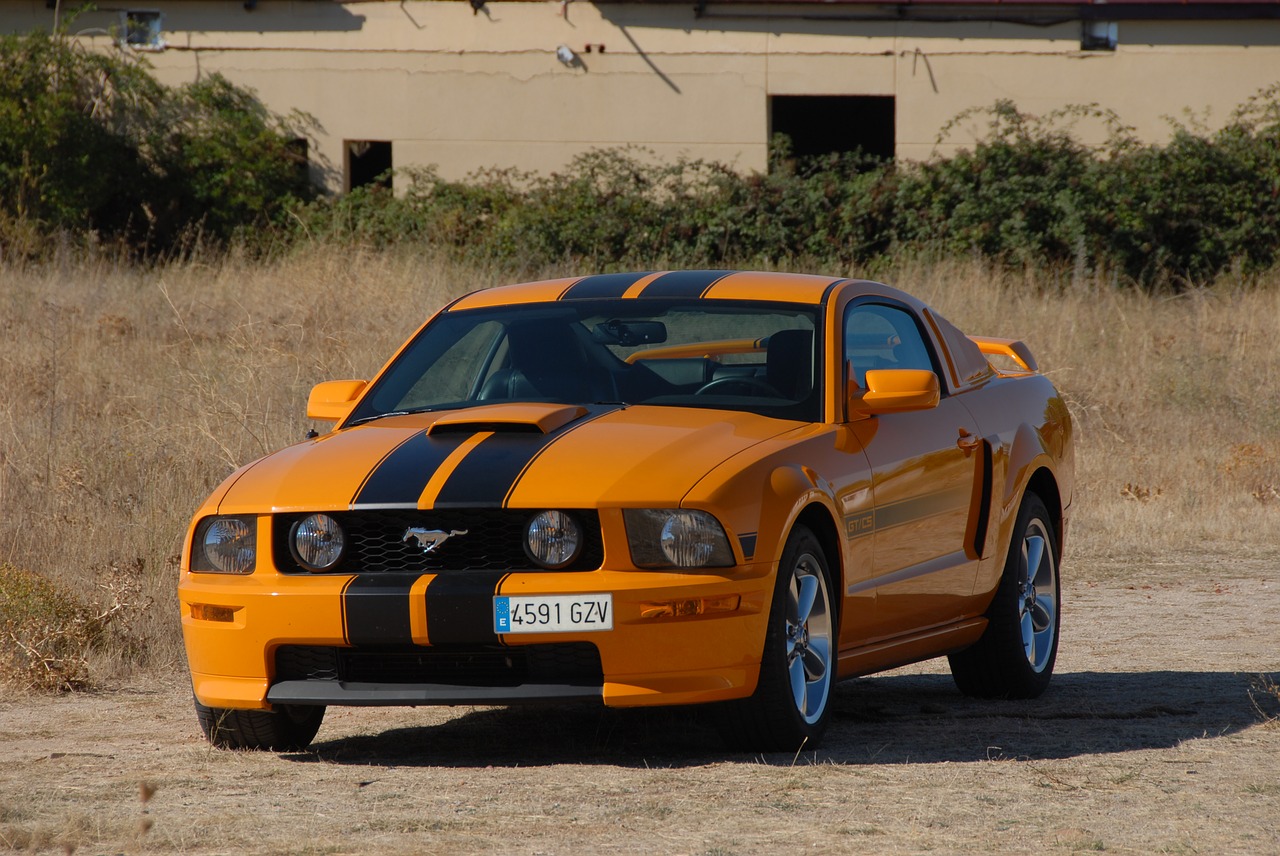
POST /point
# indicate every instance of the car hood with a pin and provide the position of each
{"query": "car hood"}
(519, 456)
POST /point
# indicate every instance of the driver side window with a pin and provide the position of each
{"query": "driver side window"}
(877, 336)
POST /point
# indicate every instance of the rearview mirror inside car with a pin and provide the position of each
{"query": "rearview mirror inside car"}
(629, 333)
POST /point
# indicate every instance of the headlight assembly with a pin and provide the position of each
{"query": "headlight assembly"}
(676, 538)
(225, 545)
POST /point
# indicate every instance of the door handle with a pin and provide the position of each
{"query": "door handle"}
(968, 442)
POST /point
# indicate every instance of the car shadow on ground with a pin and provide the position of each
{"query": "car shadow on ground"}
(889, 719)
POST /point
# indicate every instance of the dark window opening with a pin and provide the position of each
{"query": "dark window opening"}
(142, 30)
(831, 124)
(1099, 36)
(368, 163)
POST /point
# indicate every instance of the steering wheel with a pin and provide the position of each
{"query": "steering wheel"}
(754, 384)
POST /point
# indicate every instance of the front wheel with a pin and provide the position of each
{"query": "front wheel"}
(288, 728)
(1015, 656)
(791, 704)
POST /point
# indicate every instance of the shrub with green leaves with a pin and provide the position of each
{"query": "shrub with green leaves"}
(1028, 193)
(619, 208)
(1021, 194)
(91, 143)
(1190, 209)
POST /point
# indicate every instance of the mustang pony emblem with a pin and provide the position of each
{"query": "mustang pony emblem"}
(429, 539)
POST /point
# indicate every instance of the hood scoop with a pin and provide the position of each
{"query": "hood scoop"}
(525, 418)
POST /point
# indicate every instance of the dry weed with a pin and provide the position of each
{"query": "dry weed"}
(1264, 694)
(45, 633)
(50, 631)
(1138, 493)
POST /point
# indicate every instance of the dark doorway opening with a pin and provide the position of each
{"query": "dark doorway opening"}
(829, 124)
(368, 163)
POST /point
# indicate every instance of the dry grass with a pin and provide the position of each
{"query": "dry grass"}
(1173, 397)
(126, 394)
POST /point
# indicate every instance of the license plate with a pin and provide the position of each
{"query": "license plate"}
(552, 613)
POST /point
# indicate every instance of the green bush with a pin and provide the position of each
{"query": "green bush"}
(92, 144)
(69, 159)
(619, 208)
(1021, 194)
(1192, 208)
(1028, 193)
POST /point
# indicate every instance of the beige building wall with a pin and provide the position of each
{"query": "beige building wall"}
(466, 90)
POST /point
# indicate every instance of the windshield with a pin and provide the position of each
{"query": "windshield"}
(727, 355)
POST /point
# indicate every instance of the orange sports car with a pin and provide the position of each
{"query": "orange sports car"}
(664, 488)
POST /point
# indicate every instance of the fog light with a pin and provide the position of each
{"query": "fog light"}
(317, 542)
(553, 539)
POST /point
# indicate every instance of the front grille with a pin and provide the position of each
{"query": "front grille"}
(574, 663)
(494, 541)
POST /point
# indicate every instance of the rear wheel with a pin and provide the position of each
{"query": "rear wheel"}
(285, 729)
(791, 704)
(1015, 656)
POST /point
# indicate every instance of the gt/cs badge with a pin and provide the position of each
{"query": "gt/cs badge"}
(429, 539)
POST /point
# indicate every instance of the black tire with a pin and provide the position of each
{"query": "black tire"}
(1016, 654)
(288, 728)
(792, 702)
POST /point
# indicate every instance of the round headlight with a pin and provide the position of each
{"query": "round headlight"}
(553, 539)
(687, 540)
(317, 542)
(230, 545)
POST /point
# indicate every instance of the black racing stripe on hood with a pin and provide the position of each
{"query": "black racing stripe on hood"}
(684, 283)
(485, 477)
(603, 285)
(375, 609)
(401, 476)
(460, 608)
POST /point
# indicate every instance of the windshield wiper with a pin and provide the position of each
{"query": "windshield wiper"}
(365, 419)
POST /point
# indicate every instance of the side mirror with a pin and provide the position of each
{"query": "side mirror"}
(332, 400)
(893, 391)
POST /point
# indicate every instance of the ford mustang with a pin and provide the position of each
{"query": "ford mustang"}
(665, 488)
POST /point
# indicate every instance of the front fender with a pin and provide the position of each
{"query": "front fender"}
(764, 496)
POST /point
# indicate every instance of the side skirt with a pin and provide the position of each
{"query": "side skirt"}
(891, 653)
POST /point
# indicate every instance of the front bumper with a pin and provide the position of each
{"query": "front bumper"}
(646, 659)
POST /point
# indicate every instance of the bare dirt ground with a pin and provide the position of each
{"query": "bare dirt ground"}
(1158, 734)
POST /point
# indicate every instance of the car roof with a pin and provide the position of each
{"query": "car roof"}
(687, 284)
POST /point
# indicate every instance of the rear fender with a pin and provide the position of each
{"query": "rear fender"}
(1028, 461)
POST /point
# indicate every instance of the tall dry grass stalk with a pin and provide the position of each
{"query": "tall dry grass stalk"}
(127, 393)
